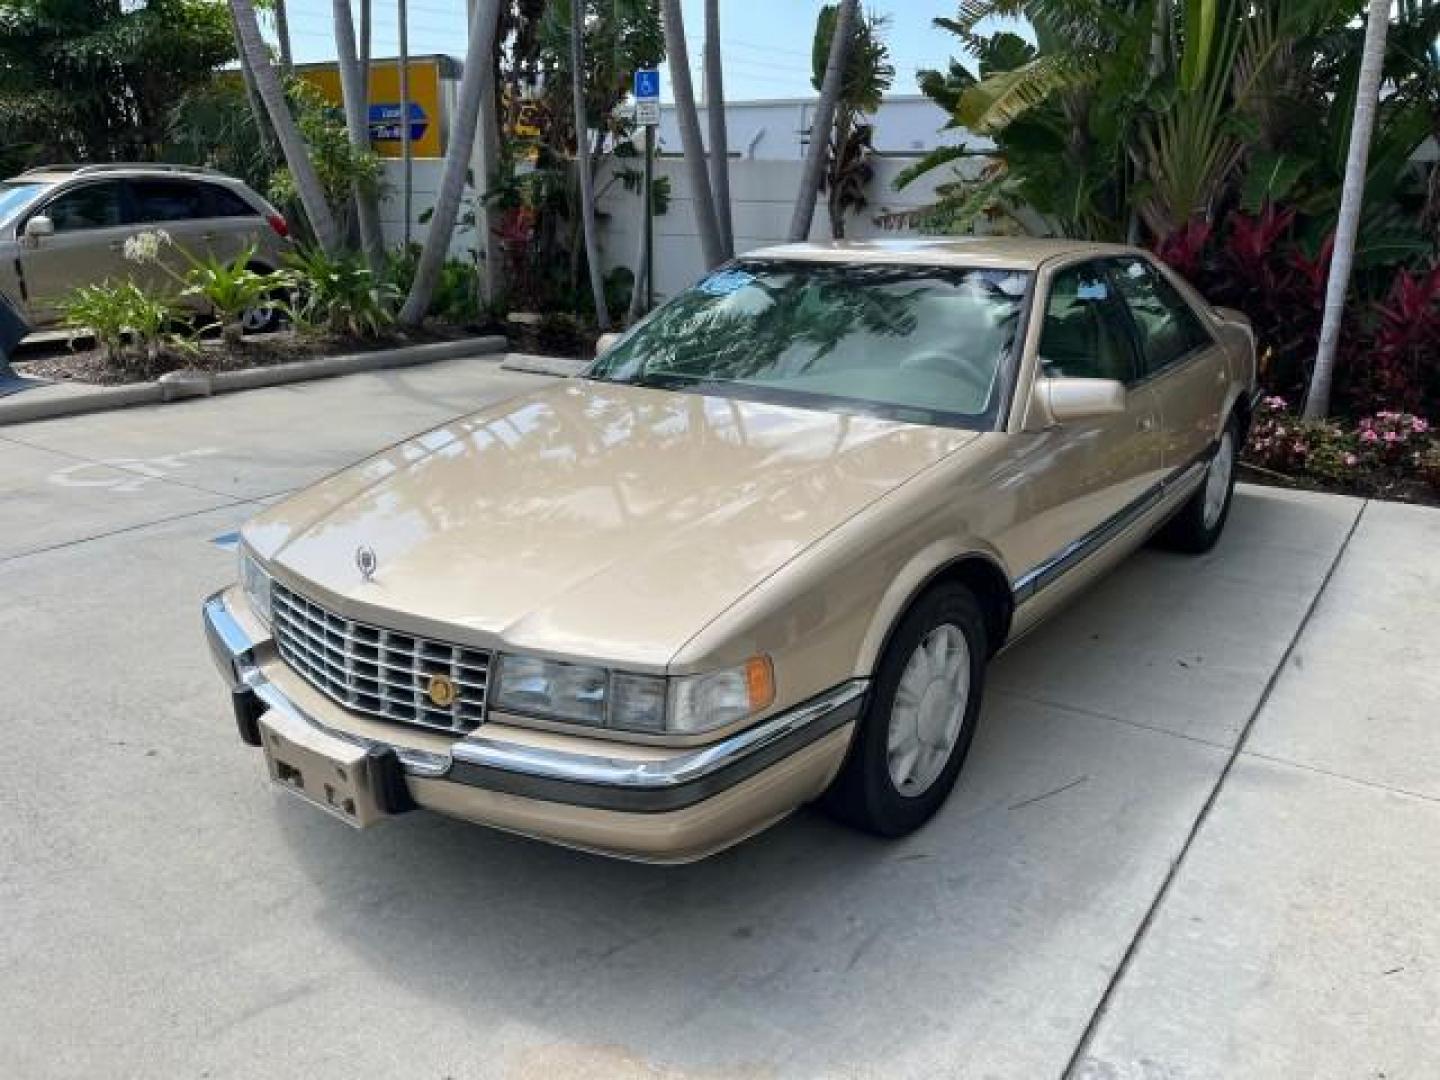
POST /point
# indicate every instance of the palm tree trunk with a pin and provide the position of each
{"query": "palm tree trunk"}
(252, 94)
(457, 162)
(1352, 195)
(711, 246)
(282, 31)
(824, 120)
(367, 34)
(407, 153)
(490, 164)
(292, 144)
(357, 125)
(582, 163)
(719, 138)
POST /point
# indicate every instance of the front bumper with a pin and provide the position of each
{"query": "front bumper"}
(674, 807)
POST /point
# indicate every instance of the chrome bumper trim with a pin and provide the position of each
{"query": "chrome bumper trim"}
(590, 780)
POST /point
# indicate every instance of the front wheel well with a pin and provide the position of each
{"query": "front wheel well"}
(983, 577)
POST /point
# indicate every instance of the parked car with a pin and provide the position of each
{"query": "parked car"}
(63, 226)
(761, 553)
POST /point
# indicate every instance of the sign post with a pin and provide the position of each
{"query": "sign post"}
(647, 114)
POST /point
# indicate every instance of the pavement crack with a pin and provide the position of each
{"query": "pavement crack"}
(1333, 775)
(1072, 1070)
(1049, 794)
(62, 545)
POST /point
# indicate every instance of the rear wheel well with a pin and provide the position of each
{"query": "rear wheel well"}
(1242, 414)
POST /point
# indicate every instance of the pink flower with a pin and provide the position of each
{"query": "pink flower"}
(1391, 437)
(1366, 424)
(1350, 460)
(1300, 448)
(1419, 426)
(1369, 437)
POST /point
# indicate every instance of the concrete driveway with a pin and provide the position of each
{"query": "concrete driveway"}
(1198, 837)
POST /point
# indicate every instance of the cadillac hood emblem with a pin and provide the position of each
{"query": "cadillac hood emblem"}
(365, 561)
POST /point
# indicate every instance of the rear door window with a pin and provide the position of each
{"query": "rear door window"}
(1168, 328)
(90, 206)
(158, 201)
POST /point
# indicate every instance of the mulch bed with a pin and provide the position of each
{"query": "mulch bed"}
(59, 362)
(1374, 486)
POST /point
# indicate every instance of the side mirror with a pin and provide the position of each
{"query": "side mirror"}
(1067, 400)
(39, 226)
(605, 342)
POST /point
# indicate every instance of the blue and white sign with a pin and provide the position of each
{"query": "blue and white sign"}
(647, 97)
(385, 122)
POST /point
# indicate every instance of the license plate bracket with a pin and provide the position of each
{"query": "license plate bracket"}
(330, 773)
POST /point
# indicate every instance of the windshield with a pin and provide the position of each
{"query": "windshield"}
(925, 344)
(15, 196)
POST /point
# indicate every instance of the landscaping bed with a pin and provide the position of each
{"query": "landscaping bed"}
(87, 363)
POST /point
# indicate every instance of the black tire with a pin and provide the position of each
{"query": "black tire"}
(1192, 530)
(865, 794)
(266, 320)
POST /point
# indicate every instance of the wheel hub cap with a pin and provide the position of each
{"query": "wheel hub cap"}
(929, 710)
(1217, 480)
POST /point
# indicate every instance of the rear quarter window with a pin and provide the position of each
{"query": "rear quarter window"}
(225, 203)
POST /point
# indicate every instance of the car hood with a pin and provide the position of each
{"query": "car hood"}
(589, 519)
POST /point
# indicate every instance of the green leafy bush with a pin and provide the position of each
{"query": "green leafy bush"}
(230, 289)
(337, 294)
(457, 293)
(130, 325)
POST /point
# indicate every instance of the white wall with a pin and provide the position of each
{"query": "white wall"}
(777, 129)
(426, 173)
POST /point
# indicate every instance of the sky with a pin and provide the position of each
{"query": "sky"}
(766, 43)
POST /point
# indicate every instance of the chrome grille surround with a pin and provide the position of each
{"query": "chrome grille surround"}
(383, 673)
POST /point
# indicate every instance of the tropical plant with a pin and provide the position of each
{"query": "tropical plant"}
(230, 290)
(337, 294)
(214, 125)
(715, 112)
(306, 182)
(354, 78)
(868, 73)
(339, 166)
(712, 245)
(1367, 103)
(831, 86)
(483, 27)
(129, 324)
(583, 166)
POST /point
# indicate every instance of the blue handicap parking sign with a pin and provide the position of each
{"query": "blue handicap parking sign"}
(385, 121)
(647, 85)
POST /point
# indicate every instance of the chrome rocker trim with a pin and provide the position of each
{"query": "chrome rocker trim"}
(1071, 555)
(589, 780)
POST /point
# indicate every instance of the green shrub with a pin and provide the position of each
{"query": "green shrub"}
(129, 324)
(338, 295)
(457, 293)
(230, 289)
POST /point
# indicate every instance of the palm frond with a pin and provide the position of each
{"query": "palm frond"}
(994, 103)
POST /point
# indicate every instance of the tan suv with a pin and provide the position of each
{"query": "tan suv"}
(63, 226)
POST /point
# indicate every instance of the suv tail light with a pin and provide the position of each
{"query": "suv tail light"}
(279, 224)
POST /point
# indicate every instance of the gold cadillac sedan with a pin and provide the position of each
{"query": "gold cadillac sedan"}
(759, 554)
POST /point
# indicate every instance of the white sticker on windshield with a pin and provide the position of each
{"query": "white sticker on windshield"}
(726, 282)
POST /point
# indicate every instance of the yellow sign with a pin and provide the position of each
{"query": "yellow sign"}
(427, 111)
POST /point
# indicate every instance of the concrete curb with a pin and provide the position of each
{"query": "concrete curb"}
(180, 385)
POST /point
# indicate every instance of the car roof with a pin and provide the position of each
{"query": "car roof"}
(991, 252)
(55, 174)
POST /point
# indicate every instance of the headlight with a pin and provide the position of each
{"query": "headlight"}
(551, 689)
(704, 702)
(649, 704)
(256, 583)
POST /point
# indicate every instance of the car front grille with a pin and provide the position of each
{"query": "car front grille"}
(377, 671)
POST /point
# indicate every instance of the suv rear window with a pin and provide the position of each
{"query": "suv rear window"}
(168, 200)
